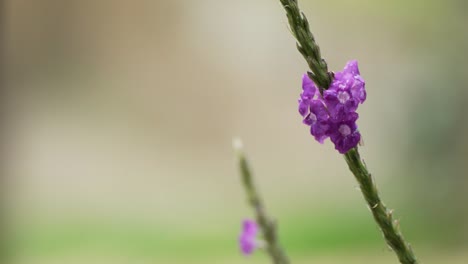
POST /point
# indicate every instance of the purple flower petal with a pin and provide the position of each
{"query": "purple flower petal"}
(320, 131)
(358, 89)
(318, 108)
(308, 86)
(344, 133)
(247, 238)
(249, 227)
(319, 127)
(338, 99)
(303, 107)
(352, 67)
(350, 79)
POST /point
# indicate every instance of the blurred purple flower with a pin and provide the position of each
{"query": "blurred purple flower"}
(248, 237)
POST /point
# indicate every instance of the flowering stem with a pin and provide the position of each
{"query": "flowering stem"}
(267, 225)
(383, 216)
(306, 45)
(322, 78)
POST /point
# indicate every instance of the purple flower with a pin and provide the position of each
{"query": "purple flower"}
(346, 91)
(312, 108)
(248, 238)
(350, 80)
(344, 133)
(338, 99)
(317, 119)
(309, 91)
(334, 115)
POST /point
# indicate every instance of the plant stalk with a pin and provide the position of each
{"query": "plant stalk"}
(307, 46)
(267, 225)
(383, 216)
(322, 78)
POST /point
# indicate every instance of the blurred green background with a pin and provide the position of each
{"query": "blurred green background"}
(121, 115)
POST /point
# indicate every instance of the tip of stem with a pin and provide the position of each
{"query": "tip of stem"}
(237, 144)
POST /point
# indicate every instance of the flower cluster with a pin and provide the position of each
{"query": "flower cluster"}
(333, 114)
(248, 238)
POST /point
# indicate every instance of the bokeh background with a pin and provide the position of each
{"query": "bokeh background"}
(120, 116)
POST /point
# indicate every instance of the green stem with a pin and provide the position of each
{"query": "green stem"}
(310, 51)
(306, 45)
(267, 225)
(383, 216)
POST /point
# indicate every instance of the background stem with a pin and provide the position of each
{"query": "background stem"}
(383, 216)
(267, 225)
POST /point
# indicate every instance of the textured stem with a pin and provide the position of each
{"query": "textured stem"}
(322, 78)
(267, 225)
(306, 45)
(383, 216)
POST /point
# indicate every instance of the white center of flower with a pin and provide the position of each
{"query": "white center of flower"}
(343, 97)
(313, 117)
(344, 130)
